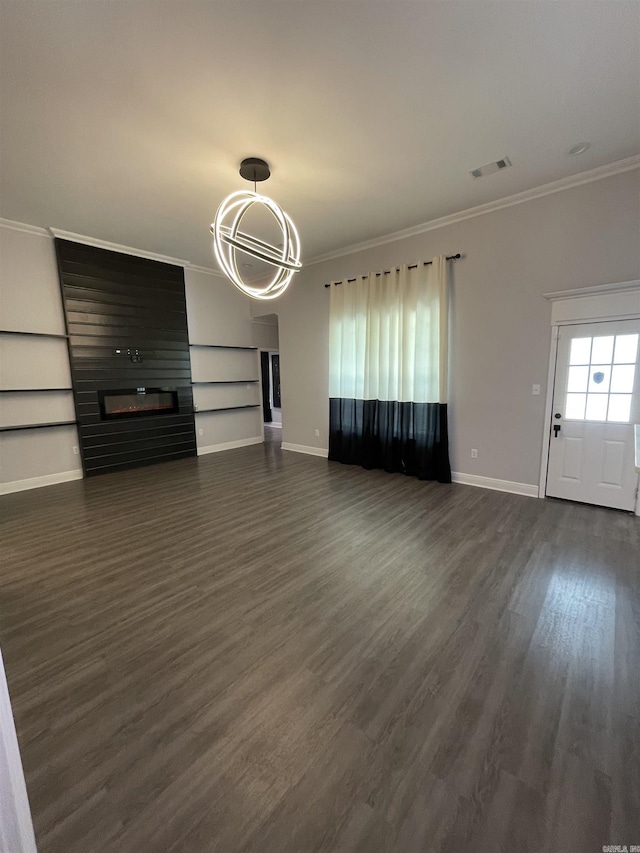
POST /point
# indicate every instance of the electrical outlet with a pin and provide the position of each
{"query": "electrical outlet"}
(535, 390)
(317, 433)
(76, 450)
(474, 453)
(200, 432)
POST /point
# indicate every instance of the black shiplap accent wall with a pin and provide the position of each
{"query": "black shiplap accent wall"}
(116, 301)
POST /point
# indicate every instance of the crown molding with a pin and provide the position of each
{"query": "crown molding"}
(206, 270)
(116, 247)
(587, 177)
(50, 233)
(595, 290)
(597, 174)
(22, 226)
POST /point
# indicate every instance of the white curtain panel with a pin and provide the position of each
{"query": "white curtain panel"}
(389, 335)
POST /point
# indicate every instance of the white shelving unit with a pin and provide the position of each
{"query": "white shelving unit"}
(33, 364)
(37, 415)
(226, 396)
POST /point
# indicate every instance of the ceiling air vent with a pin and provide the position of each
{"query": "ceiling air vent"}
(489, 168)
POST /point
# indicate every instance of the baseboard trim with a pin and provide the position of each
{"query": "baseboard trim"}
(38, 482)
(303, 448)
(229, 445)
(526, 489)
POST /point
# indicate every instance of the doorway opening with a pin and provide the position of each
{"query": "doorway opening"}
(266, 338)
(271, 400)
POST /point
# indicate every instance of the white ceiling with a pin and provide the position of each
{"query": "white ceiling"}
(127, 120)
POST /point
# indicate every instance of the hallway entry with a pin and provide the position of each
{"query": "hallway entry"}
(266, 339)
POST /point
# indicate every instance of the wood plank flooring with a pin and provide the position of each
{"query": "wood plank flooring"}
(263, 652)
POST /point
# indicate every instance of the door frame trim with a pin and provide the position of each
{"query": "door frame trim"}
(598, 304)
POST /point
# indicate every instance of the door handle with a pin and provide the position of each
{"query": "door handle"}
(556, 430)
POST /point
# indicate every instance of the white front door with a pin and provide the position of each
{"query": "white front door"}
(596, 401)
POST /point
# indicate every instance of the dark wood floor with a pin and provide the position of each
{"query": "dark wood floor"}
(261, 651)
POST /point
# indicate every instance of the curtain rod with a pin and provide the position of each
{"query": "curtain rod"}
(388, 272)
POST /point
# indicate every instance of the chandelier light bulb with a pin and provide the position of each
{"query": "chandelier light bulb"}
(228, 239)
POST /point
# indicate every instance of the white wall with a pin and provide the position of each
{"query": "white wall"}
(30, 301)
(582, 236)
(29, 287)
(265, 335)
(217, 313)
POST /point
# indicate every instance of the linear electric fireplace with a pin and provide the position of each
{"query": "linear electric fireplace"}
(136, 402)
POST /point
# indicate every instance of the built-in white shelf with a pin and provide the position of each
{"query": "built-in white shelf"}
(37, 392)
(33, 334)
(226, 393)
(36, 426)
(223, 346)
(227, 409)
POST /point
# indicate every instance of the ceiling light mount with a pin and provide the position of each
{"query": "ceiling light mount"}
(228, 239)
(254, 169)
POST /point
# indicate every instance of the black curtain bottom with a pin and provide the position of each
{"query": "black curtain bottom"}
(405, 438)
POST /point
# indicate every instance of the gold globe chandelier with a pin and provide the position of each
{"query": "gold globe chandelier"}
(228, 239)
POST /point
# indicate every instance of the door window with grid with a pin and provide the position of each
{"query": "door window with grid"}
(600, 378)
